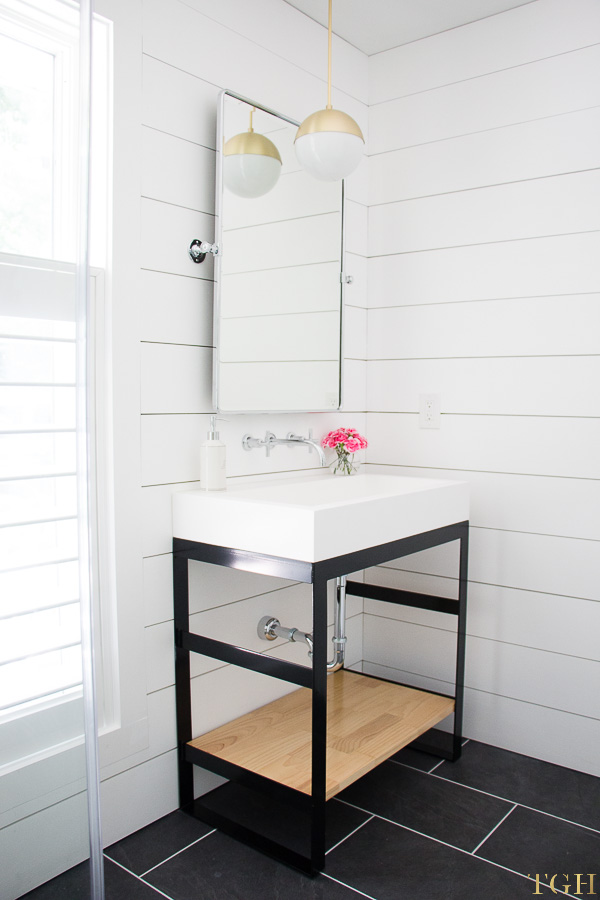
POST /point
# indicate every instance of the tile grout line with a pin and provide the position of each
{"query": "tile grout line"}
(350, 888)
(496, 796)
(147, 872)
(560, 818)
(139, 878)
(358, 827)
(414, 768)
(407, 827)
(444, 844)
(518, 803)
(503, 819)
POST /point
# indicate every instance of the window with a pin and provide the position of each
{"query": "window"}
(40, 656)
(39, 639)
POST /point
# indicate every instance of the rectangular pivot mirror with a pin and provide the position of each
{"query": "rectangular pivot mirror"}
(278, 288)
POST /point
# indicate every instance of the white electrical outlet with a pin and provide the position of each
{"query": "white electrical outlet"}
(429, 411)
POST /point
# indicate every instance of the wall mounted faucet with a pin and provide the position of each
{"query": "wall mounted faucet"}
(270, 441)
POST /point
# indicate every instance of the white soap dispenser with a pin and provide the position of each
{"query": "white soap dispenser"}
(212, 461)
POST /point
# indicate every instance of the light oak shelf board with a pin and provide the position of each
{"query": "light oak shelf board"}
(368, 720)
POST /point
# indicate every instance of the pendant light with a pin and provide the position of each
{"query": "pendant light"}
(251, 163)
(329, 144)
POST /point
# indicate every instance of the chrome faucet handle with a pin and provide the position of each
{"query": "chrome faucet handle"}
(249, 443)
(269, 441)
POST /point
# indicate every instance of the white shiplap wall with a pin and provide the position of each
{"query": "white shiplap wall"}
(484, 288)
(188, 57)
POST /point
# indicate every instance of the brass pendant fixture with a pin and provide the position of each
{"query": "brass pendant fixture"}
(329, 143)
(251, 163)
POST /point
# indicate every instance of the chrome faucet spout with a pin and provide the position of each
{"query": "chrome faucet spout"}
(270, 441)
(299, 439)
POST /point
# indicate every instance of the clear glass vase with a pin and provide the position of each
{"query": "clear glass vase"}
(344, 464)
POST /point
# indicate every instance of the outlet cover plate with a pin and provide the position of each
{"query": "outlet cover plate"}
(429, 411)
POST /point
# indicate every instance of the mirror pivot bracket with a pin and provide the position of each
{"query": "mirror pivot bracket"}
(199, 249)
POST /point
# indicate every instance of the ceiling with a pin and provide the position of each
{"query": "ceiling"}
(376, 25)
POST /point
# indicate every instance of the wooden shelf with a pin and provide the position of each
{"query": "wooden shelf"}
(367, 721)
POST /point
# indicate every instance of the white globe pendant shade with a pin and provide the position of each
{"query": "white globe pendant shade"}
(250, 176)
(329, 145)
(251, 164)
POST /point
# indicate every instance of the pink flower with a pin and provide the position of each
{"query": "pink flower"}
(344, 441)
(333, 438)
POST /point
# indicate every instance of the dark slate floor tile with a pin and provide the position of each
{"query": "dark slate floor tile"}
(440, 809)
(554, 789)
(388, 862)
(72, 884)
(340, 824)
(277, 821)
(120, 885)
(220, 868)
(530, 842)
(153, 844)
(416, 759)
(75, 885)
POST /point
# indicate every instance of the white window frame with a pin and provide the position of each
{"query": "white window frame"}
(51, 774)
(36, 25)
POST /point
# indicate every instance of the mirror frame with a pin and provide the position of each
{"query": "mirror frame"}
(217, 265)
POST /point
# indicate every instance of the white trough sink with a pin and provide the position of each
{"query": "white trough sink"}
(318, 517)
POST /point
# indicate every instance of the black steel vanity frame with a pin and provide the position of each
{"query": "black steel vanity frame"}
(446, 746)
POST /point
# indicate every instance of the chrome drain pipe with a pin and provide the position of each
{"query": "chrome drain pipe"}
(339, 626)
(270, 628)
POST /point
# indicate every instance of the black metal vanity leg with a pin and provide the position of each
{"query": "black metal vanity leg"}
(183, 701)
(319, 724)
(460, 642)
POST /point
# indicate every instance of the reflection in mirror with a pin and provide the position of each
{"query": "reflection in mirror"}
(278, 309)
(251, 163)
